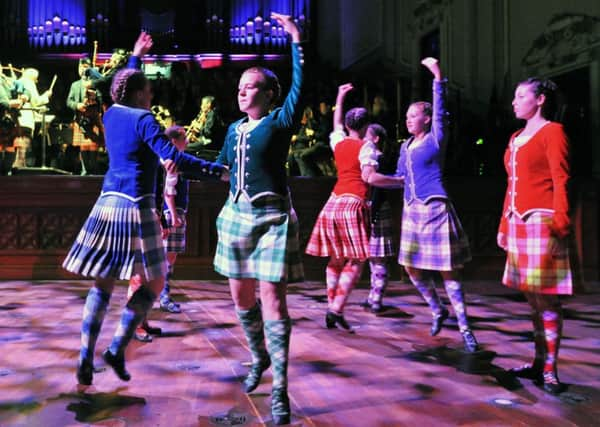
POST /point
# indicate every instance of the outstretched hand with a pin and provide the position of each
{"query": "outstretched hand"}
(142, 44)
(433, 65)
(288, 25)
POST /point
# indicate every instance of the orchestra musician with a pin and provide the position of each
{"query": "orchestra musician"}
(9, 124)
(206, 131)
(34, 101)
(88, 131)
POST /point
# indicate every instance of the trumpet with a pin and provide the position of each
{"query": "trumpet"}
(193, 130)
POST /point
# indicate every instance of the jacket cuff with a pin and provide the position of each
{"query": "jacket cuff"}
(210, 170)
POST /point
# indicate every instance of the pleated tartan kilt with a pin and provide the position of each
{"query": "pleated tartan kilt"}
(432, 237)
(119, 238)
(530, 263)
(78, 136)
(342, 229)
(381, 244)
(259, 240)
(175, 241)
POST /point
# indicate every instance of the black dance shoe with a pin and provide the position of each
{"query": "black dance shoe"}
(471, 345)
(253, 378)
(85, 373)
(332, 319)
(438, 320)
(552, 385)
(151, 329)
(280, 407)
(530, 372)
(376, 308)
(117, 363)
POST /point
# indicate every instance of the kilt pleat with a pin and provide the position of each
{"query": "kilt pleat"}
(432, 237)
(530, 264)
(259, 240)
(381, 244)
(341, 229)
(175, 241)
(119, 238)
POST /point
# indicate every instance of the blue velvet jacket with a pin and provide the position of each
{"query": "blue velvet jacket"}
(256, 159)
(135, 143)
(421, 164)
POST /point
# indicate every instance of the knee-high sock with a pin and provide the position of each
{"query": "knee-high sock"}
(348, 278)
(252, 324)
(379, 279)
(457, 298)
(94, 311)
(277, 333)
(134, 312)
(552, 319)
(332, 277)
(426, 288)
(539, 339)
(165, 294)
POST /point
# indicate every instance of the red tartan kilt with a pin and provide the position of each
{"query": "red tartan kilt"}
(536, 261)
(342, 229)
(79, 139)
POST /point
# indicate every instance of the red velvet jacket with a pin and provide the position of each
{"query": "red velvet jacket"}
(538, 176)
(346, 154)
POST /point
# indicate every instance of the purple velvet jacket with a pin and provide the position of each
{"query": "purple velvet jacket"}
(421, 165)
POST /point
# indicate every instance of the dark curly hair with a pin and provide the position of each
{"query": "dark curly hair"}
(125, 83)
(547, 88)
(356, 118)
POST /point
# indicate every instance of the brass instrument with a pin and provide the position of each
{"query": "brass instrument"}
(117, 60)
(193, 130)
(162, 116)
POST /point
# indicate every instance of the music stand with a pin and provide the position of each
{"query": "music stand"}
(45, 140)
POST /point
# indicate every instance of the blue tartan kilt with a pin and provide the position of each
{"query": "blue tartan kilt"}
(259, 240)
(381, 244)
(121, 237)
(175, 241)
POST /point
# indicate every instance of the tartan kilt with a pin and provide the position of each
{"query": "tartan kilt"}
(79, 138)
(175, 241)
(342, 229)
(432, 237)
(381, 244)
(530, 265)
(259, 240)
(119, 238)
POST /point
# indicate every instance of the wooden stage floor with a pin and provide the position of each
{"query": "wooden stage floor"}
(389, 373)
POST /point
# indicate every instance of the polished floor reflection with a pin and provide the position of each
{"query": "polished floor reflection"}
(389, 373)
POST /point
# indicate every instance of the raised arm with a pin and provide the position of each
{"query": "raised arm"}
(338, 113)
(288, 110)
(438, 119)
